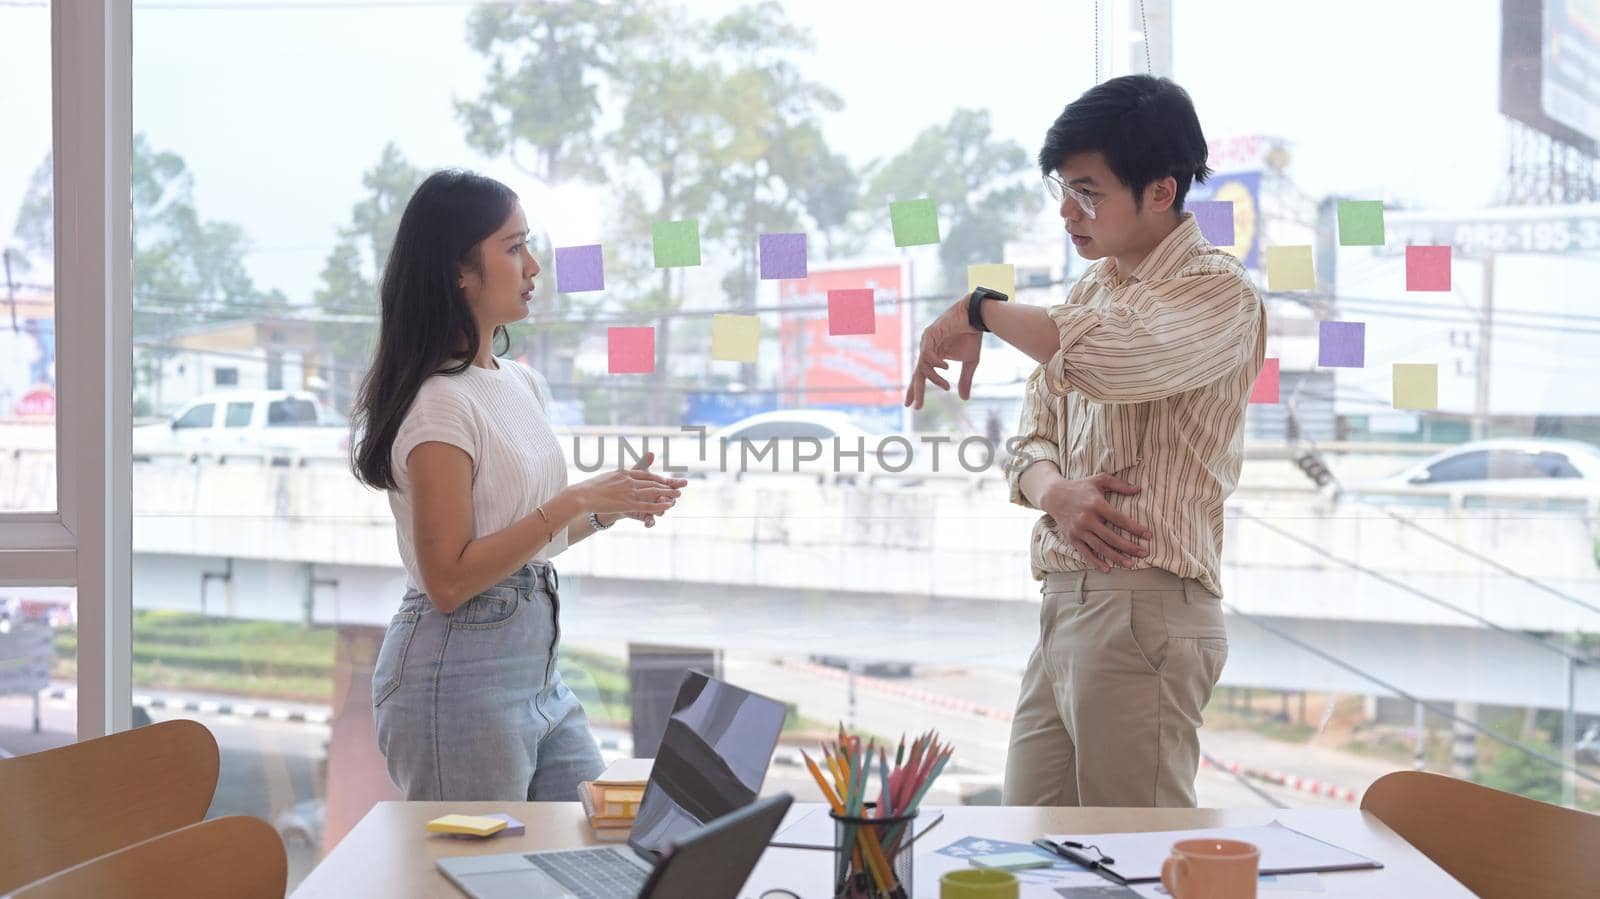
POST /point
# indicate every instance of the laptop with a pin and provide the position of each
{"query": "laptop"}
(713, 862)
(711, 763)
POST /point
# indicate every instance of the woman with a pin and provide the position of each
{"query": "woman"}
(468, 701)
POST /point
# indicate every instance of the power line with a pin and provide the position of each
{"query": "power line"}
(1437, 710)
(1407, 588)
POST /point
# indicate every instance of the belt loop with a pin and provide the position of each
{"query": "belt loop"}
(1081, 585)
(1189, 585)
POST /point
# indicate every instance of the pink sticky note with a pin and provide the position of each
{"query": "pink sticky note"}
(1427, 268)
(1265, 389)
(632, 351)
(850, 312)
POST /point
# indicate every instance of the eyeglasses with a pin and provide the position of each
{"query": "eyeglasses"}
(1060, 190)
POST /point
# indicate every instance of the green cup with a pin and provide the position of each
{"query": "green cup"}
(979, 883)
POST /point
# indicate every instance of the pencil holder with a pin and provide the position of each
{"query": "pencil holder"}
(872, 855)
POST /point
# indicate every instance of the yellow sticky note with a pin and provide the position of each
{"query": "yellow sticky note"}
(1289, 268)
(995, 276)
(467, 824)
(734, 338)
(1416, 386)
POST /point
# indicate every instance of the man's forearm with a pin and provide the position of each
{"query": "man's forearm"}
(1028, 328)
(1037, 478)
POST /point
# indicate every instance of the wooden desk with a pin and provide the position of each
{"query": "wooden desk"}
(389, 854)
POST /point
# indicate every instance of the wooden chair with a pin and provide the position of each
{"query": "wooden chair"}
(236, 856)
(1497, 844)
(68, 805)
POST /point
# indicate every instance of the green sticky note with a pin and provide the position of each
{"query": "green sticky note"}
(1416, 386)
(1289, 268)
(916, 222)
(677, 244)
(734, 338)
(995, 276)
(1361, 223)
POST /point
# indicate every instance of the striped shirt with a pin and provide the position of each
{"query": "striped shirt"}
(1150, 385)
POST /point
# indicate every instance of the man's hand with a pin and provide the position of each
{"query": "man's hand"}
(1096, 528)
(949, 337)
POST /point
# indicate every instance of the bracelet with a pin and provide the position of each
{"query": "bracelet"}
(540, 509)
(594, 522)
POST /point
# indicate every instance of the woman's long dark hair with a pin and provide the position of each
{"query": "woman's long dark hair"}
(424, 321)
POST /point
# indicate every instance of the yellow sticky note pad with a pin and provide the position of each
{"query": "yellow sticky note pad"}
(1416, 386)
(995, 276)
(1289, 268)
(734, 338)
(467, 824)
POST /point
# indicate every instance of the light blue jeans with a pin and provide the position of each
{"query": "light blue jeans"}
(470, 706)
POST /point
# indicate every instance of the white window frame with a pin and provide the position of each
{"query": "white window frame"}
(87, 542)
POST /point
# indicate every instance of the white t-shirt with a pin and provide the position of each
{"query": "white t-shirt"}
(500, 418)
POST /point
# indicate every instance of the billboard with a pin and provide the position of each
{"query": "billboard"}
(1549, 60)
(861, 374)
(1243, 190)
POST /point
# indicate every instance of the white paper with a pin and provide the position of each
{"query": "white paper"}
(1138, 856)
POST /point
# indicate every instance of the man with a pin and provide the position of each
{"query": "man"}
(1130, 441)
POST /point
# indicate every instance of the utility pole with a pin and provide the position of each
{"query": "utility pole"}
(1480, 405)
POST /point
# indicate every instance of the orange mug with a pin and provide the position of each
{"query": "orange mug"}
(1211, 869)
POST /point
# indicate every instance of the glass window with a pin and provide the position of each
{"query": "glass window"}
(27, 264)
(239, 414)
(263, 253)
(197, 417)
(1464, 467)
(291, 412)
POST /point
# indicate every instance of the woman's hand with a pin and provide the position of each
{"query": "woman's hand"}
(634, 492)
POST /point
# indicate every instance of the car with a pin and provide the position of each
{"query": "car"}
(791, 433)
(1517, 467)
(868, 667)
(278, 424)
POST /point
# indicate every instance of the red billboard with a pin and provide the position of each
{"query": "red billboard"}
(850, 372)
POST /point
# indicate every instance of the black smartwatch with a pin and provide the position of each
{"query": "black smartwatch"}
(974, 315)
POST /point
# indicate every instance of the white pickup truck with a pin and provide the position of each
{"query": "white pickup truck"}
(279, 426)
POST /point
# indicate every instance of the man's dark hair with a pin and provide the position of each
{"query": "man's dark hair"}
(1145, 127)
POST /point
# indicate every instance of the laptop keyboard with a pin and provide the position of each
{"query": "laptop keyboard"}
(592, 873)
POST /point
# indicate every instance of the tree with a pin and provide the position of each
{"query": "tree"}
(349, 289)
(984, 189)
(187, 270)
(540, 104)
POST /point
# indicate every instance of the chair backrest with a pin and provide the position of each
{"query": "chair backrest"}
(238, 857)
(68, 805)
(1497, 844)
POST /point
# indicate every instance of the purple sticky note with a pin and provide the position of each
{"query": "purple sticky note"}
(1342, 345)
(1427, 268)
(1215, 218)
(850, 312)
(783, 256)
(631, 351)
(579, 269)
(513, 828)
(1265, 389)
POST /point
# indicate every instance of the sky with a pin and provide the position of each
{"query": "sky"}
(277, 108)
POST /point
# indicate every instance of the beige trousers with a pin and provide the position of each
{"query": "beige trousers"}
(1112, 695)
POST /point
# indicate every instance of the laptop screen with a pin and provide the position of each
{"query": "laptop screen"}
(712, 760)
